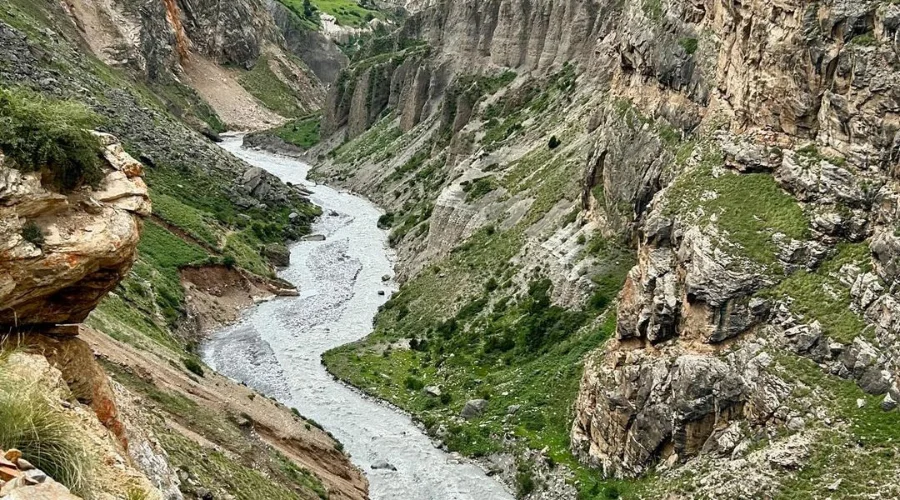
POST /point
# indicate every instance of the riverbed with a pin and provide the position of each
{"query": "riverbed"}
(277, 347)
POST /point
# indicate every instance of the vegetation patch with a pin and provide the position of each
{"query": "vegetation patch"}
(820, 296)
(266, 86)
(304, 133)
(748, 209)
(43, 434)
(51, 136)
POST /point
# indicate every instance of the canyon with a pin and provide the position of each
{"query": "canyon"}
(640, 249)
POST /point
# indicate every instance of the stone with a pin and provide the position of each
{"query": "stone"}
(279, 255)
(381, 292)
(432, 390)
(386, 277)
(513, 409)
(473, 408)
(860, 403)
(835, 485)
(383, 465)
(313, 237)
(24, 465)
(12, 455)
(888, 403)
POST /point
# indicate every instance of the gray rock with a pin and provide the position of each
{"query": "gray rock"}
(383, 465)
(513, 409)
(313, 237)
(432, 390)
(279, 255)
(888, 403)
(473, 408)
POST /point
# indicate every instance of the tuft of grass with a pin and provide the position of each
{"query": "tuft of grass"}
(43, 435)
(42, 134)
(33, 233)
(689, 45)
(193, 366)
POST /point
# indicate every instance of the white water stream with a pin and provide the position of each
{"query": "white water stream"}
(277, 347)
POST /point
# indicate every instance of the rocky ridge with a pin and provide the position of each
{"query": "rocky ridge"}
(746, 152)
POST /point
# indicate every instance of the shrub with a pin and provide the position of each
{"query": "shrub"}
(193, 366)
(43, 435)
(33, 233)
(39, 133)
(689, 45)
(229, 261)
(413, 384)
(554, 142)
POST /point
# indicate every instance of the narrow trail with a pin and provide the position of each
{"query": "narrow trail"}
(277, 348)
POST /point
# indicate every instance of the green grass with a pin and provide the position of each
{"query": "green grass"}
(749, 208)
(479, 188)
(275, 94)
(199, 225)
(863, 453)
(43, 434)
(689, 45)
(820, 295)
(348, 12)
(49, 135)
(303, 132)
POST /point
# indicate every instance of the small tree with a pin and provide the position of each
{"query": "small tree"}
(554, 142)
(308, 9)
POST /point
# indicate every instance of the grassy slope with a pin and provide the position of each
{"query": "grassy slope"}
(149, 304)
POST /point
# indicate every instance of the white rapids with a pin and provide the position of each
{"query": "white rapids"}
(277, 347)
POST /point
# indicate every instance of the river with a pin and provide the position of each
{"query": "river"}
(277, 347)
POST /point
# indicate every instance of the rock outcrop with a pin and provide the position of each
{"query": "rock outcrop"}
(86, 246)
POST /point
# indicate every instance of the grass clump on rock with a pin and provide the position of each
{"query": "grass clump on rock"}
(41, 134)
(29, 423)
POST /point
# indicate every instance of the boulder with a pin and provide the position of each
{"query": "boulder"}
(383, 465)
(473, 408)
(279, 255)
(86, 248)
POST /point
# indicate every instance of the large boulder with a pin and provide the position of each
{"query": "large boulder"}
(60, 254)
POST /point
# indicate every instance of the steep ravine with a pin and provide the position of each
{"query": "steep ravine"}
(277, 347)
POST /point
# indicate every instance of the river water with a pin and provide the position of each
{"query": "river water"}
(276, 348)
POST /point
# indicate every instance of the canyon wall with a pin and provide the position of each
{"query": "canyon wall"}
(746, 153)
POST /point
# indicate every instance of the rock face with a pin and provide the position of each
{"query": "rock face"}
(680, 369)
(698, 103)
(89, 241)
(319, 53)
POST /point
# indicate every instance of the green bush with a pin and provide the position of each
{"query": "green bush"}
(32, 233)
(413, 384)
(193, 366)
(689, 45)
(30, 424)
(42, 134)
(554, 142)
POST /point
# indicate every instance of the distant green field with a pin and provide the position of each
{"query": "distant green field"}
(347, 12)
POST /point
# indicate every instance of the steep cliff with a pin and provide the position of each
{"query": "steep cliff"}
(742, 157)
